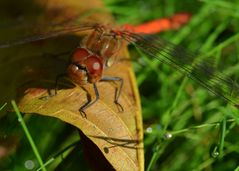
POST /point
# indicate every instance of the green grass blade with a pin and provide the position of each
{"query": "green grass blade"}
(29, 137)
(1, 108)
(222, 137)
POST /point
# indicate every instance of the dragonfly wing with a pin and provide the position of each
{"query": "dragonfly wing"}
(198, 69)
(50, 34)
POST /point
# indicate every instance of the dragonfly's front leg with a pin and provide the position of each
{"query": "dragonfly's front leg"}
(117, 95)
(89, 103)
(58, 77)
(50, 94)
(118, 89)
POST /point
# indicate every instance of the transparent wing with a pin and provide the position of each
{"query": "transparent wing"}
(50, 34)
(200, 70)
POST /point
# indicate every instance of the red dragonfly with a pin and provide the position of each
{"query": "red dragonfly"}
(88, 61)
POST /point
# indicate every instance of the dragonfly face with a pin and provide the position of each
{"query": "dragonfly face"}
(85, 67)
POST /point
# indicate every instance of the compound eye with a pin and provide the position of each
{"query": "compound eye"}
(94, 66)
(79, 55)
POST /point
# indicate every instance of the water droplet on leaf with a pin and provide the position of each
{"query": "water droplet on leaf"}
(168, 135)
(215, 152)
(29, 164)
(149, 130)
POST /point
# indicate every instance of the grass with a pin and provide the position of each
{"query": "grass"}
(202, 125)
(186, 127)
(28, 135)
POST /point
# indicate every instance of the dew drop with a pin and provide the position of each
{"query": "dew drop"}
(168, 135)
(29, 164)
(215, 154)
(149, 130)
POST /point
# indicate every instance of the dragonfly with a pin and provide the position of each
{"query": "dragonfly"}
(96, 51)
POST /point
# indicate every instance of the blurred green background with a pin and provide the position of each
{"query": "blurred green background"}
(186, 127)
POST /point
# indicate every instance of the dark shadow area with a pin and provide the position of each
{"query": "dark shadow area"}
(25, 70)
(94, 156)
(124, 143)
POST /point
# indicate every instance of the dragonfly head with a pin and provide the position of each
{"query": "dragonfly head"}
(85, 67)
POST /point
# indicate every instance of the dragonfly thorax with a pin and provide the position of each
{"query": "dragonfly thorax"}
(104, 44)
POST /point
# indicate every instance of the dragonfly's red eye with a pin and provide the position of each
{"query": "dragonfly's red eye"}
(79, 55)
(94, 66)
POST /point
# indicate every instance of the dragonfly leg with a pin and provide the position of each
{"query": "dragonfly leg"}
(89, 103)
(118, 89)
(58, 77)
(55, 88)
